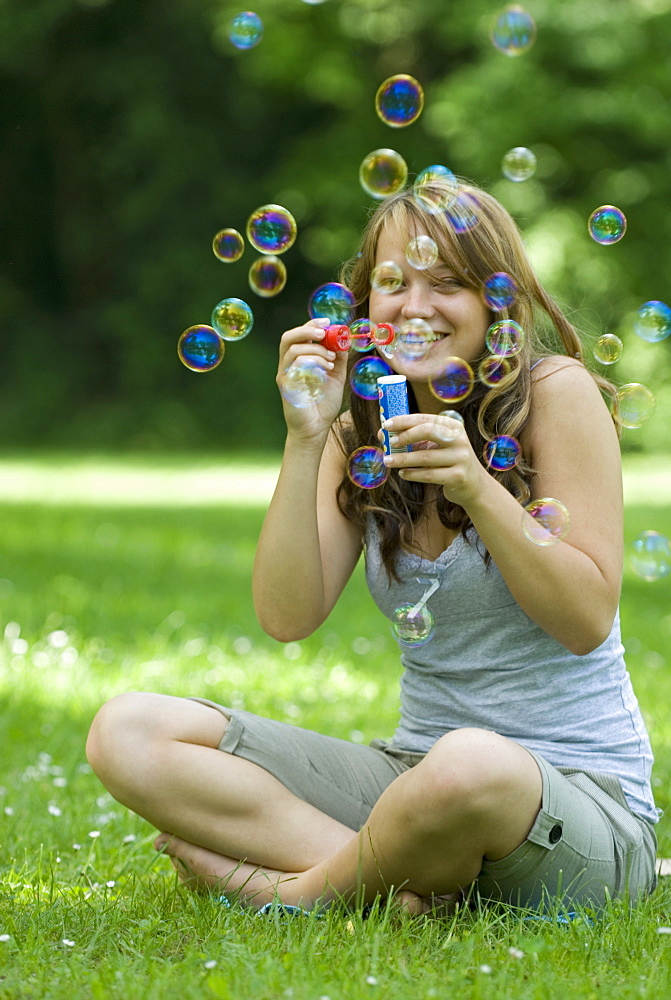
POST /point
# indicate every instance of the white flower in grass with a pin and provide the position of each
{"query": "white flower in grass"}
(110, 884)
(210, 964)
(76, 847)
(371, 980)
(515, 952)
(5, 937)
(93, 834)
(68, 943)
(486, 969)
(9, 811)
(130, 838)
(58, 861)
(664, 930)
(59, 782)
(53, 810)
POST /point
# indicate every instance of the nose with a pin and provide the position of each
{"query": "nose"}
(417, 302)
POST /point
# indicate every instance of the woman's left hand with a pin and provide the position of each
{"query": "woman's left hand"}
(442, 455)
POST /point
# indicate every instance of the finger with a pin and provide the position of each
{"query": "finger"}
(315, 352)
(439, 429)
(313, 330)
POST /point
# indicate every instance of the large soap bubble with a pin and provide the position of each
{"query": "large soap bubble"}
(514, 31)
(364, 375)
(413, 625)
(399, 100)
(607, 225)
(303, 383)
(504, 338)
(267, 276)
(435, 189)
(228, 245)
(653, 321)
(271, 229)
(608, 349)
(519, 164)
(635, 405)
(502, 452)
(245, 30)
(200, 348)
(651, 556)
(455, 381)
(232, 319)
(366, 468)
(333, 301)
(549, 522)
(383, 173)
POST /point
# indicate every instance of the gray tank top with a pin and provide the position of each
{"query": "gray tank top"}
(489, 665)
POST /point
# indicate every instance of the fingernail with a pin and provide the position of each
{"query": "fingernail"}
(393, 439)
(331, 355)
(387, 459)
(322, 321)
(329, 364)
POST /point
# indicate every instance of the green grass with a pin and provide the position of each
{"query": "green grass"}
(139, 592)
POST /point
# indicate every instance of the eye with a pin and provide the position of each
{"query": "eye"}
(448, 285)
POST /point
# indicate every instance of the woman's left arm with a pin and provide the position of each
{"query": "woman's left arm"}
(571, 588)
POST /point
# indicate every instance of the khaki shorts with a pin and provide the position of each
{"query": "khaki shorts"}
(584, 846)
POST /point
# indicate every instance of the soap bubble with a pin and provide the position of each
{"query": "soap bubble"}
(653, 321)
(463, 213)
(267, 276)
(447, 432)
(363, 335)
(608, 349)
(635, 405)
(607, 225)
(454, 383)
(499, 291)
(366, 468)
(387, 277)
(271, 229)
(519, 164)
(200, 348)
(549, 522)
(332, 300)
(245, 30)
(232, 319)
(514, 31)
(386, 339)
(303, 383)
(364, 375)
(383, 173)
(399, 100)
(435, 189)
(421, 252)
(414, 338)
(504, 338)
(502, 452)
(228, 245)
(493, 370)
(651, 556)
(412, 626)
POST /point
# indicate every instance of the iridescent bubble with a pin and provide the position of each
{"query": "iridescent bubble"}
(387, 339)
(493, 370)
(387, 277)
(364, 375)
(228, 245)
(653, 321)
(303, 383)
(245, 30)
(502, 452)
(607, 225)
(651, 556)
(366, 468)
(463, 214)
(334, 301)
(267, 276)
(399, 100)
(435, 189)
(514, 31)
(608, 349)
(421, 252)
(363, 335)
(454, 383)
(232, 319)
(453, 414)
(499, 291)
(448, 432)
(519, 164)
(271, 229)
(383, 173)
(549, 522)
(414, 338)
(635, 405)
(504, 338)
(200, 348)
(412, 625)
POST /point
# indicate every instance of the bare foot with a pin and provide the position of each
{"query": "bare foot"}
(429, 906)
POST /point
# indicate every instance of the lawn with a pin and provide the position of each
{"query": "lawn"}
(119, 575)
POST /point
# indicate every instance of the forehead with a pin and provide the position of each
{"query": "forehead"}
(395, 236)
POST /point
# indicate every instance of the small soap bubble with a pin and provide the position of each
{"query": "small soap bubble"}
(271, 229)
(267, 276)
(454, 383)
(421, 252)
(519, 164)
(232, 319)
(200, 348)
(385, 334)
(608, 349)
(364, 375)
(228, 245)
(435, 189)
(549, 522)
(387, 277)
(448, 432)
(412, 626)
(399, 100)
(651, 556)
(245, 30)
(653, 321)
(363, 335)
(463, 214)
(383, 173)
(303, 383)
(366, 468)
(514, 31)
(499, 291)
(502, 452)
(607, 225)
(333, 301)
(493, 370)
(414, 339)
(504, 338)
(635, 405)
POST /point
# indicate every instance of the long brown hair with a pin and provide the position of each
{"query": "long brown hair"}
(494, 244)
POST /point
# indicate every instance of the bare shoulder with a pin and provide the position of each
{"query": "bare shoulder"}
(564, 394)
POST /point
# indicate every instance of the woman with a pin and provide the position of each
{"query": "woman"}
(521, 765)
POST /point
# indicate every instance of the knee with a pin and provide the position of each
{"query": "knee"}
(119, 725)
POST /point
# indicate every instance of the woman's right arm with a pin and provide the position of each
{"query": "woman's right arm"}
(307, 549)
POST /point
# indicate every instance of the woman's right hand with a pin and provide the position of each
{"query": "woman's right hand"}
(311, 423)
